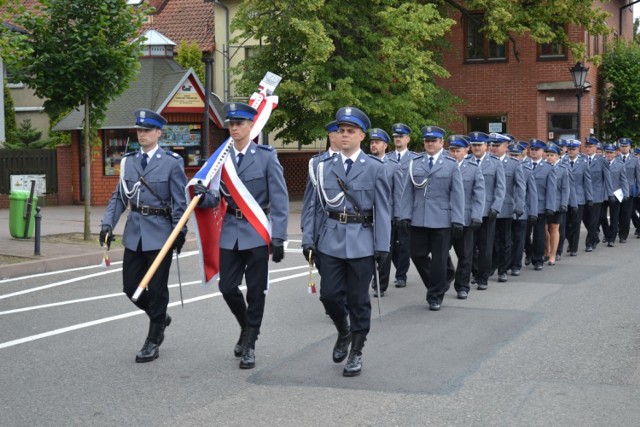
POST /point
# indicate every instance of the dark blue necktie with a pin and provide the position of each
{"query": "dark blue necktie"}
(534, 165)
(430, 162)
(624, 159)
(399, 157)
(240, 156)
(349, 163)
(144, 161)
(572, 163)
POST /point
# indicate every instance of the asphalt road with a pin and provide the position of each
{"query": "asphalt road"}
(556, 347)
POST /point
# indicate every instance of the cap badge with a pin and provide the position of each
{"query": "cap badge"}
(347, 111)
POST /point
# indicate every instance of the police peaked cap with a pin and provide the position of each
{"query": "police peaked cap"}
(332, 126)
(147, 119)
(353, 116)
(624, 141)
(237, 111)
(478, 138)
(573, 143)
(553, 148)
(610, 147)
(590, 140)
(536, 143)
(377, 133)
(400, 129)
(432, 132)
(499, 138)
(458, 141)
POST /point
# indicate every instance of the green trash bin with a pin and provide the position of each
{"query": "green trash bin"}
(17, 209)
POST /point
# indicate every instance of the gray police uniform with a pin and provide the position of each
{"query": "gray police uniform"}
(396, 182)
(545, 177)
(610, 224)
(602, 190)
(519, 226)
(433, 200)
(583, 195)
(632, 166)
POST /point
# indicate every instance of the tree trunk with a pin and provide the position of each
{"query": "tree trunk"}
(87, 171)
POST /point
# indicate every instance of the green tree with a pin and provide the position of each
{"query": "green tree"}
(383, 56)
(25, 137)
(76, 52)
(9, 118)
(620, 71)
(190, 56)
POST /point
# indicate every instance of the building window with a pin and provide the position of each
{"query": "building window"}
(487, 123)
(563, 125)
(477, 47)
(552, 51)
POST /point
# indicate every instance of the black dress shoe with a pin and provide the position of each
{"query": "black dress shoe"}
(527, 261)
(375, 293)
(482, 286)
(148, 353)
(623, 240)
(239, 347)
(502, 278)
(401, 283)
(515, 271)
(573, 254)
(604, 240)
(610, 244)
(537, 267)
(248, 360)
(434, 306)
(589, 249)
(463, 295)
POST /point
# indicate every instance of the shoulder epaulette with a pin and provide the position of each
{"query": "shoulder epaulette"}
(495, 157)
(174, 155)
(326, 158)
(418, 156)
(265, 147)
(374, 157)
(470, 162)
(130, 153)
(450, 158)
(392, 160)
(316, 155)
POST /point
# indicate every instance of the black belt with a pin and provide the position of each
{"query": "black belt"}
(150, 210)
(238, 213)
(345, 218)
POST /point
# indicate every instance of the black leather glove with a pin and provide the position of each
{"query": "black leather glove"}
(105, 231)
(456, 230)
(549, 213)
(563, 209)
(612, 199)
(589, 203)
(493, 214)
(518, 212)
(309, 249)
(404, 225)
(532, 219)
(380, 256)
(200, 190)
(476, 223)
(277, 249)
(179, 242)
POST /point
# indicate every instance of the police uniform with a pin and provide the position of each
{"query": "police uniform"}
(582, 193)
(602, 191)
(349, 240)
(635, 211)
(153, 188)
(618, 173)
(243, 251)
(561, 205)
(395, 179)
(494, 191)
(632, 166)
(512, 207)
(545, 177)
(401, 238)
(433, 204)
(530, 214)
(474, 198)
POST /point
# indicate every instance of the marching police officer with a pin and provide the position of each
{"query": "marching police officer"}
(400, 237)
(601, 188)
(618, 173)
(494, 191)
(243, 251)
(512, 207)
(632, 166)
(433, 205)
(378, 142)
(352, 189)
(152, 183)
(561, 204)
(473, 183)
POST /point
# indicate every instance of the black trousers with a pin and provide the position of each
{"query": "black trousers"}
(400, 251)
(502, 245)
(518, 231)
(347, 279)
(612, 225)
(591, 219)
(574, 221)
(538, 240)
(603, 221)
(253, 264)
(384, 269)
(626, 206)
(483, 250)
(463, 247)
(635, 214)
(562, 231)
(155, 299)
(433, 270)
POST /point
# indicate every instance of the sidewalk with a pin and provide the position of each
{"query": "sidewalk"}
(70, 219)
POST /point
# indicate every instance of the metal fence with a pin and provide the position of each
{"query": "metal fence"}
(28, 162)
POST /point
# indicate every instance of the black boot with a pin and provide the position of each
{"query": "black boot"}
(236, 304)
(167, 322)
(149, 351)
(238, 349)
(354, 362)
(341, 348)
(248, 360)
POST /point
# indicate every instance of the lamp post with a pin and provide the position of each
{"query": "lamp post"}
(579, 75)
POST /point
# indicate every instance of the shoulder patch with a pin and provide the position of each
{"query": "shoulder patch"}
(174, 155)
(265, 147)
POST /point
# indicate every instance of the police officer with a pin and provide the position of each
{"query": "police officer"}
(433, 205)
(401, 238)
(602, 191)
(561, 204)
(632, 166)
(635, 211)
(350, 187)
(494, 191)
(545, 177)
(473, 183)
(618, 173)
(243, 252)
(583, 194)
(512, 207)
(152, 183)
(378, 142)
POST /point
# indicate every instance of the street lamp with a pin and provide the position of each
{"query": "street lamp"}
(579, 75)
